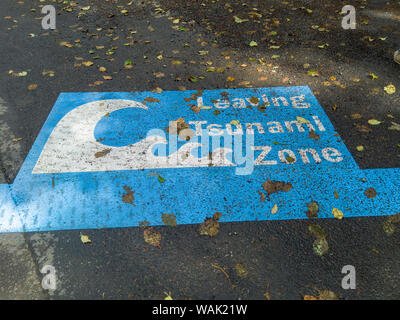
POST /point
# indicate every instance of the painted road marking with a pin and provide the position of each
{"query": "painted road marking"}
(107, 160)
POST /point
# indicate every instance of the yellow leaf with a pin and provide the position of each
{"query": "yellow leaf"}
(85, 239)
(87, 63)
(274, 209)
(337, 213)
(66, 44)
(390, 89)
(168, 297)
(301, 120)
(374, 122)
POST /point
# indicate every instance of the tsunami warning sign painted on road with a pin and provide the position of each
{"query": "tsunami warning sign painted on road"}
(120, 159)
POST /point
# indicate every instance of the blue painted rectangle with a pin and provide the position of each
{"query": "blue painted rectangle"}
(84, 164)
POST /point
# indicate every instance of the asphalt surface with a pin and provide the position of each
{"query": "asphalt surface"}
(277, 257)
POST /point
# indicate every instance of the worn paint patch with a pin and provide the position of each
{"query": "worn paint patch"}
(100, 149)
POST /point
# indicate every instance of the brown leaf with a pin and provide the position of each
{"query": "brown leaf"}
(152, 237)
(370, 193)
(151, 100)
(276, 186)
(210, 227)
(102, 153)
(128, 197)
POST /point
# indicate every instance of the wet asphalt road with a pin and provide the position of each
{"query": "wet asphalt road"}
(277, 256)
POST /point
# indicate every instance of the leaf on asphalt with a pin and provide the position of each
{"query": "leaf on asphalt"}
(320, 246)
(66, 44)
(168, 297)
(210, 227)
(373, 76)
(394, 126)
(169, 219)
(317, 231)
(32, 86)
(253, 44)
(152, 237)
(388, 224)
(238, 20)
(327, 295)
(85, 238)
(302, 120)
(390, 89)
(360, 148)
(87, 63)
(241, 270)
(322, 295)
(313, 73)
(337, 213)
(374, 122)
(355, 116)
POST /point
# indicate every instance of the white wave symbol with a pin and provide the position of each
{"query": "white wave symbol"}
(72, 146)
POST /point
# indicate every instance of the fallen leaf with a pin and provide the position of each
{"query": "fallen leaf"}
(253, 44)
(152, 237)
(390, 89)
(238, 20)
(337, 213)
(313, 209)
(168, 297)
(241, 270)
(274, 209)
(374, 122)
(169, 220)
(394, 126)
(210, 227)
(370, 193)
(85, 238)
(320, 246)
(87, 63)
